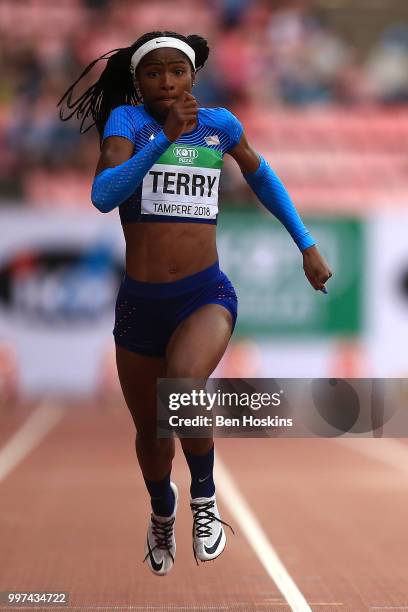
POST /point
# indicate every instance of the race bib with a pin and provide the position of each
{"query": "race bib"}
(183, 183)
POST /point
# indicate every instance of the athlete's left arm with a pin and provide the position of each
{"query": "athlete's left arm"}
(272, 193)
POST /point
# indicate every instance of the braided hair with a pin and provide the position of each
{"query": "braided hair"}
(115, 85)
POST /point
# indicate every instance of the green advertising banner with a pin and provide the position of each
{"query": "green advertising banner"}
(266, 267)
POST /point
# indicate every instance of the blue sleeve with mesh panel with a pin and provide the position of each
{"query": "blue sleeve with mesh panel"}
(113, 186)
(274, 196)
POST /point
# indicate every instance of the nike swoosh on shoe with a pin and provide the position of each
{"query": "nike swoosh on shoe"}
(204, 479)
(211, 549)
(156, 566)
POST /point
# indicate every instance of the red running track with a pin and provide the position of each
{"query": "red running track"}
(73, 517)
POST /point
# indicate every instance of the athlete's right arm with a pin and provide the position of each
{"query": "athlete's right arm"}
(119, 173)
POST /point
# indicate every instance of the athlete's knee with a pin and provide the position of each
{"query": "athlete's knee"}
(184, 369)
(157, 448)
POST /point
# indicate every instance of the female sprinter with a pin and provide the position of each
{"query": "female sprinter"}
(160, 164)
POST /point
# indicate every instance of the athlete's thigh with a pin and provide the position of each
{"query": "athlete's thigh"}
(198, 343)
(138, 375)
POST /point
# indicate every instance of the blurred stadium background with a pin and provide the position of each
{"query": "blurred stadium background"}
(321, 87)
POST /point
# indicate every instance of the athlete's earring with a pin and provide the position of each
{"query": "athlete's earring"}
(138, 92)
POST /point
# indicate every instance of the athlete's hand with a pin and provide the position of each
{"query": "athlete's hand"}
(316, 269)
(182, 115)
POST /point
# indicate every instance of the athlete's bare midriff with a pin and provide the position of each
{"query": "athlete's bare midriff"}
(164, 252)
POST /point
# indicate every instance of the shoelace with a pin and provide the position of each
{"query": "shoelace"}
(162, 533)
(202, 519)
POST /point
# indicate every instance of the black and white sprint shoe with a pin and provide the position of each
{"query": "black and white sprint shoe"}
(209, 537)
(160, 547)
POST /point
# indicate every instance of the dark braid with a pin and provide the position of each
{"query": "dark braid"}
(115, 85)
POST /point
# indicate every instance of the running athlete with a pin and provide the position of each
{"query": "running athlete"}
(160, 163)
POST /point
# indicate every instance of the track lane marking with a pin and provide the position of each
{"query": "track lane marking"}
(257, 538)
(40, 422)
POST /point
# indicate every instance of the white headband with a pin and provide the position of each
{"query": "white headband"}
(155, 43)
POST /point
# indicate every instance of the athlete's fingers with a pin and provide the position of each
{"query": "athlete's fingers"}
(323, 278)
(317, 275)
(188, 95)
(188, 115)
(180, 112)
(185, 96)
(312, 281)
(183, 106)
(189, 99)
(182, 103)
(189, 105)
(189, 109)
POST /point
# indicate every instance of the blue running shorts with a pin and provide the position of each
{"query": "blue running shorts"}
(146, 314)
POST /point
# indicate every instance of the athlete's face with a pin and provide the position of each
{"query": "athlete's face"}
(162, 75)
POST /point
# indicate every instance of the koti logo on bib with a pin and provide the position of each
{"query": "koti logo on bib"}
(185, 155)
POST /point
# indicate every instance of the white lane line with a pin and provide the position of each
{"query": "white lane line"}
(257, 538)
(388, 451)
(44, 418)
